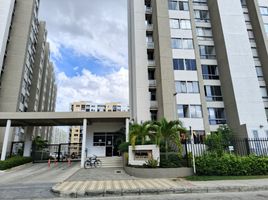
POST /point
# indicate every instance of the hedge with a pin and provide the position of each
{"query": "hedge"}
(231, 165)
(13, 162)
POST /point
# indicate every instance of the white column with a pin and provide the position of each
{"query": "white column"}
(7, 132)
(84, 141)
(127, 130)
(28, 142)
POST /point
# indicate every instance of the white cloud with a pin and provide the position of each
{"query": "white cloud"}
(91, 28)
(90, 87)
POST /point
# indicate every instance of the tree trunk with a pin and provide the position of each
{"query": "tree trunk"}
(166, 145)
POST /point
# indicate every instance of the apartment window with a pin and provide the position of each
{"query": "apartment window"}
(200, 1)
(201, 15)
(254, 52)
(264, 92)
(204, 33)
(196, 111)
(190, 64)
(207, 52)
(243, 3)
(210, 72)
(183, 111)
(153, 115)
(185, 24)
(259, 71)
(181, 86)
(179, 43)
(178, 5)
(152, 94)
(250, 34)
(213, 93)
(187, 87)
(266, 28)
(264, 10)
(178, 64)
(266, 112)
(183, 5)
(184, 64)
(172, 5)
(174, 23)
(189, 111)
(151, 73)
(216, 116)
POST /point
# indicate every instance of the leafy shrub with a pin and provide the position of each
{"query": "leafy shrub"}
(173, 161)
(213, 164)
(123, 147)
(151, 163)
(13, 162)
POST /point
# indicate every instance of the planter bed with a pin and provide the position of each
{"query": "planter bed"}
(159, 172)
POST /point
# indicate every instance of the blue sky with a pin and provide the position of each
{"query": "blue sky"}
(88, 42)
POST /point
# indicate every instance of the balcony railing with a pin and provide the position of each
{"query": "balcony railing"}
(148, 10)
(149, 27)
(151, 63)
(150, 45)
(153, 104)
(152, 83)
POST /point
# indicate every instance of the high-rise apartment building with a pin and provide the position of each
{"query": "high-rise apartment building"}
(201, 61)
(23, 61)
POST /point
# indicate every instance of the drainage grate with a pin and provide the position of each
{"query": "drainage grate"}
(118, 171)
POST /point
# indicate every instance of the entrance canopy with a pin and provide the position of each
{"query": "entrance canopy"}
(59, 118)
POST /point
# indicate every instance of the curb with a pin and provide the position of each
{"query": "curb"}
(122, 192)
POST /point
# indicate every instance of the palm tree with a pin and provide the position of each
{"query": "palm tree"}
(140, 131)
(168, 132)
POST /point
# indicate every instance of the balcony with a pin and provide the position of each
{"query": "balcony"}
(153, 104)
(150, 45)
(151, 63)
(148, 10)
(152, 83)
(149, 27)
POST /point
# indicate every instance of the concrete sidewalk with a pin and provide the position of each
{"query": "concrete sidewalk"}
(134, 186)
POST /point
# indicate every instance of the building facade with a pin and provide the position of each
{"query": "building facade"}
(200, 61)
(75, 135)
(22, 61)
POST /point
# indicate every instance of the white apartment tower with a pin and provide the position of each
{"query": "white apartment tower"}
(203, 62)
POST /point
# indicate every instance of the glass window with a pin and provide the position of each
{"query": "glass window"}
(185, 24)
(207, 52)
(216, 116)
(196, 111)
(183, 5)
(176, 43)
(183, 111)
(172, 5)
(190, 64)
(259, 71)
(213, 93)
(174, 23)
(192, 87)
(264, 10)
(178, 64)
(188, 44)
(202, 15)
(181, 86)
(264, 92)
(266, 28)
(210, 72)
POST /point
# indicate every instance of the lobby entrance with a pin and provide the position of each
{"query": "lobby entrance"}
(109, 142)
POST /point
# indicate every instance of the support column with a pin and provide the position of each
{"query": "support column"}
(84, 141)
(5, 142)
(127, 130)
(28, 142)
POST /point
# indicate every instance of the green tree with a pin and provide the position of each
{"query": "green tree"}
(168, 132)
(39, 143)
(219, 141)
(140, 132)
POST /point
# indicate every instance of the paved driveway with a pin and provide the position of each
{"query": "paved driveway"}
(38, 173)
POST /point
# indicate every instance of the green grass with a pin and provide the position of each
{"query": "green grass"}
(217, 178)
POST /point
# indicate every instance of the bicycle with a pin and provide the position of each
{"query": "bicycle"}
(92, 162)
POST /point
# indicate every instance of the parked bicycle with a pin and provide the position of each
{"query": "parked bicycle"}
(92, 162)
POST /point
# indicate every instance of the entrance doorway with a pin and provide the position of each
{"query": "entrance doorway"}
(110, 142)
